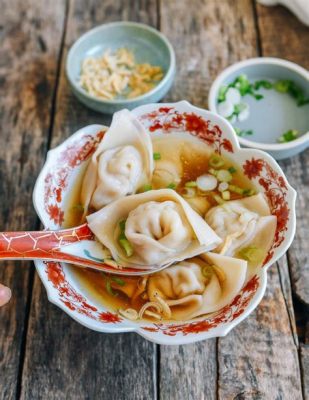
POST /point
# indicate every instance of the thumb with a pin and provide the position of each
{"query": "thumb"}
(5, 295)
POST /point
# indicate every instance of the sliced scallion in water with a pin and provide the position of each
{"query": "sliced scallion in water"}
(288, 136)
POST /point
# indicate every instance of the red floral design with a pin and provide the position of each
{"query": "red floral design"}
(74, 300)
(228, 314)
(170, 120)
(253, 168)
(109, 317)
(56, 181)
(275, 189)
(55, 213)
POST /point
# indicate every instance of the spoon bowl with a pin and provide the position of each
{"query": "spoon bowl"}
(76, 246)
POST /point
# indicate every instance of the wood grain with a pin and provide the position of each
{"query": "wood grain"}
(251, 357)
(30, 36)
(188, 372)
(205, 43)
(73, 362)
(291, 44)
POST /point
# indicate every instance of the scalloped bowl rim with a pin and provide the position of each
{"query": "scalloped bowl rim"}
(219, 331)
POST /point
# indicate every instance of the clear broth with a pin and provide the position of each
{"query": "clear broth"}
(194, 158)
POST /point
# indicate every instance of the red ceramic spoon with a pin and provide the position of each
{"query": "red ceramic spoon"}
(75, 246)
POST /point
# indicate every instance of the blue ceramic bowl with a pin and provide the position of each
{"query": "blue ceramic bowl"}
(276, 113)
(148, 46)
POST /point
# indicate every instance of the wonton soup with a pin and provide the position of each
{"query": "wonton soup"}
(187, 192)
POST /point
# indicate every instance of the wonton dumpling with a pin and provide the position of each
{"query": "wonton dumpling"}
(243, 222)
(160, 226)
(186, 291)
(122, 163)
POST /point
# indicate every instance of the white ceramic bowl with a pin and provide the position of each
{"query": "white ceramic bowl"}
(271, 119)
(64, 165)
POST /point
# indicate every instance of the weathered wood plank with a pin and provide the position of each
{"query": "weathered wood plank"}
(205, 44)
(73, 362)
(304, 360)
(188, 372)
(67, 361)
(292, 45)
(282, 34)
(30, 36)
(259, 360)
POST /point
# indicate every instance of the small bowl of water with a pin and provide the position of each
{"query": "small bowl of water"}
(267, 102)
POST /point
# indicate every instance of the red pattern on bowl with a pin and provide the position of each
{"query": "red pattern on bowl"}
(66, 162)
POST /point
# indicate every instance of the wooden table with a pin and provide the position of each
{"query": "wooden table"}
(43, 353)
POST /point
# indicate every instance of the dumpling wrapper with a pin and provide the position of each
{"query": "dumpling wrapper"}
(122, 163)
(182, 232)
(243, 223)
(182, 286)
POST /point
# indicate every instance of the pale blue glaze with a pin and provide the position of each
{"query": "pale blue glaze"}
(276, 113)
(148, 46)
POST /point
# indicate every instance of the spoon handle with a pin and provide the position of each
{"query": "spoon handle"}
(44, 245)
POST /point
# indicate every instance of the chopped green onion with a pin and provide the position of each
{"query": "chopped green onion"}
(78, 208)
(156, 156)
(171, 186)
(288, 136)
(109, 289)
(251, 253)
(238, 108)
(282, 85)
(232, 170)
(216, 161)
(248, 192)
(258, 96)
(243, 85)
(218, 199)
(213, 171)
(146, 188)
(122, 225)
(190, 184)
(290, 87)
(119, 281)
(222, 93)
(242, 132)
(236, 189)
(226, 195)
(223, 186)
(126, 245)
(262, 83)
(224, 175)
